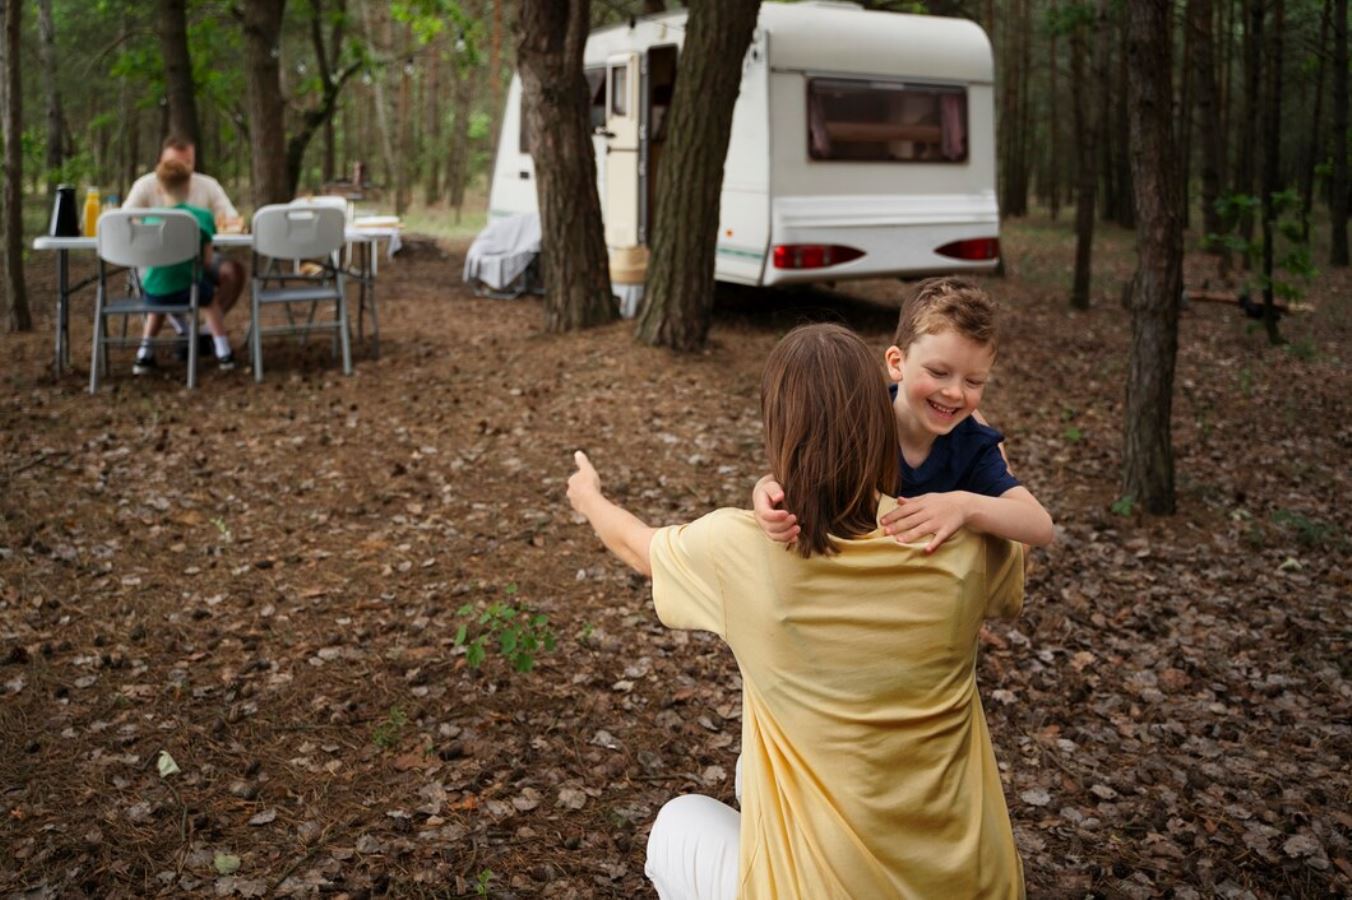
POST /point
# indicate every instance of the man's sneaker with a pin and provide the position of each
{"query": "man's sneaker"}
(205, 347)
(144, 365)
(226, 362)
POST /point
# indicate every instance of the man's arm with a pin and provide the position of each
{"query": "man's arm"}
(623, 533)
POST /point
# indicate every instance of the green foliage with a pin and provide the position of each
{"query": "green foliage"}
(1292, 259)
(519, 634)
(1064, 20)
(481, 882)
(1303, 350)
(390, 731)
(1073, 434)
(1309, 533)
(1123, 506)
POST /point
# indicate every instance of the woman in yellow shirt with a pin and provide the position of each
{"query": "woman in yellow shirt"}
(868, 770)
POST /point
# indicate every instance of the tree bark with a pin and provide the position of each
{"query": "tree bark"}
(1339, 187)
(17, 316)
(1089, 131)
(56, 129)
(457, 160)
(267, 120)
(1312, 156)
(403, 115)
(1200, 15)
(1246, 175)
(1125, 213)
(555, 102)
(178, 81)
(1271, 165)
(382, 24)
(1053, 181)
(432, 130)
(680, 289)
(1147, 458)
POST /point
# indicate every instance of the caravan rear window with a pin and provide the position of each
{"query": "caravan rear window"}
(879, 121)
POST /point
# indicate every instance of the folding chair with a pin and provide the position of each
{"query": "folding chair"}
(296, 232)
(138, 239)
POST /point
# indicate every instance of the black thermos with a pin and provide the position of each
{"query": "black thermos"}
(65, 217)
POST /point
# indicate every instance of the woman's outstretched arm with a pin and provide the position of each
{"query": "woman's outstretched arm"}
(623, 533)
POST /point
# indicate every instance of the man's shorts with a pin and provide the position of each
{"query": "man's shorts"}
(206, 291)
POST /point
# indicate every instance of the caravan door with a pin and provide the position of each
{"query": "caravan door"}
(622, 150)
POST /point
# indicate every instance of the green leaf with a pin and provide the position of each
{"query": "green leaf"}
(1123, 506)
(460, 634)
(226, 863)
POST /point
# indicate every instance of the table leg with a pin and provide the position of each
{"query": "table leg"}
(375, 316)
(62, 312)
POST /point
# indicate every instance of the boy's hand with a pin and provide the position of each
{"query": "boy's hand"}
(778, 524)
(936, 514)
(584, 483)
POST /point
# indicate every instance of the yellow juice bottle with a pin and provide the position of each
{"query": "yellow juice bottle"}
(91, 212)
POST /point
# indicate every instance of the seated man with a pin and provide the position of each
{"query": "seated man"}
(204, 192)
(171, 285)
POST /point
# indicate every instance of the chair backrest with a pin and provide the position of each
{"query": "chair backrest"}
(148, 237)
(298, 230)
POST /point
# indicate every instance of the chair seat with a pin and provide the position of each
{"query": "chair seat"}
(296, 294)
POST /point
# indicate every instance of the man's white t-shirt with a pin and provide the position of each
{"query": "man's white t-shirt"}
(203, 191)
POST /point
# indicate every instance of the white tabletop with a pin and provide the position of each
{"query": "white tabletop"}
(352, 235)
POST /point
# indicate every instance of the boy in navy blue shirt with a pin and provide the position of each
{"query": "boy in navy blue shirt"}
(953, 471)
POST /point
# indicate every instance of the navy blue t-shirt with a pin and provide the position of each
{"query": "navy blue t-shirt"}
(966, 459)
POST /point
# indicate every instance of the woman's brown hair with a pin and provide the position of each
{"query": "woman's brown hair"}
(830, 433)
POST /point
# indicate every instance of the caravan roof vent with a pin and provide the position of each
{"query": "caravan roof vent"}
(813, 256)
(972, 250)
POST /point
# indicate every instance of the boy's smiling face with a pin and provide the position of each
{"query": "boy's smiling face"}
(941, 378)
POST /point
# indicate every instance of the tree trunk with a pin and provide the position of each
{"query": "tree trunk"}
(680, 289)
(1053, 126)
(267, 120)
(1271, 165)
(178, 82)
(1338, 187)
(457, 160)
(403, 115)
(1126, 209)
(555, 102)
(432, 130)
(56, 130)
(381, 24)
(1313, 155)
(1246, 175)
(1109, 96)
(1200, 15)
(1183, 136)
(1089, 131)
(1147, 458)
(11, 96)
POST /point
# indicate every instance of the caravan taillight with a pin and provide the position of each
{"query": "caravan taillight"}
(974, 250)
(813, 256)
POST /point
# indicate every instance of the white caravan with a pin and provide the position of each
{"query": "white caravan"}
(863, 145)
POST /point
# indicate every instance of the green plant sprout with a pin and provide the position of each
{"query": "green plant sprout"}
(520, 635)
(388, 733)
(1123, 506)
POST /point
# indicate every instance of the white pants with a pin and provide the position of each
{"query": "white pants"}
(692, 850)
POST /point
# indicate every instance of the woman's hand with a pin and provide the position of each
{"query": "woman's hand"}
(583, 484)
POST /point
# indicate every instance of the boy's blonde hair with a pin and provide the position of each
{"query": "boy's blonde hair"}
(948, 303)
(174, 176)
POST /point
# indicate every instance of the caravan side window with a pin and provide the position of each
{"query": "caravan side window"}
(879, 121)
(619, 99)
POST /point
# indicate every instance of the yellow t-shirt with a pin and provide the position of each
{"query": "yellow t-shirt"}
(867, 769)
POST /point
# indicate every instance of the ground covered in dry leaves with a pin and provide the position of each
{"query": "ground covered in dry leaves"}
(267, 583)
